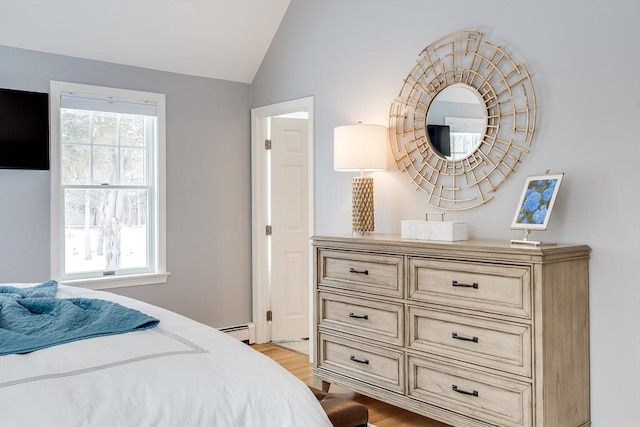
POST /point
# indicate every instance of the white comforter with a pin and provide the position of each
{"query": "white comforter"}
(181, 373)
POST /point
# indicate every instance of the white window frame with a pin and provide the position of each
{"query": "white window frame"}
(157, 226)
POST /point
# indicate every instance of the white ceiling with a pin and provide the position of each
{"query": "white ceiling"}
(221, 39)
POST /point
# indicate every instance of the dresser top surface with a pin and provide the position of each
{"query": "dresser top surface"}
(500, 246)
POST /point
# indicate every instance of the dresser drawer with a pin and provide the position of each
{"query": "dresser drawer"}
(378, 366)
(498, 345)
(373, 273)
(364, 317)
(494, 400)
(475, 286)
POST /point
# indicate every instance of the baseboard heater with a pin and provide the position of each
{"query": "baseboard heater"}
(245, 333)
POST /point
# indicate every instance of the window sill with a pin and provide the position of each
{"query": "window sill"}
(119, 282)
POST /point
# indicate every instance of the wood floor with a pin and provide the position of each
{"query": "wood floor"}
(381, 414)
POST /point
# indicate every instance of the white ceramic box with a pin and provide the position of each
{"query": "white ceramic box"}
(448, 231)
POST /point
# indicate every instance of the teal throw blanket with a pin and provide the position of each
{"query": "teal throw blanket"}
(32, 318)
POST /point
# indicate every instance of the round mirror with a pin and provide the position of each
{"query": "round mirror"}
(490, 114)
(456, 121)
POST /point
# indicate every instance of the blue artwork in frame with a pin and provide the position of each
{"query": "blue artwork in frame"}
(536, 202)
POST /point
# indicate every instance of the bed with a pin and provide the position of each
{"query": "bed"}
(178, 373)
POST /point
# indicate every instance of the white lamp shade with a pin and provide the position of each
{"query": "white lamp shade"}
(360, 148)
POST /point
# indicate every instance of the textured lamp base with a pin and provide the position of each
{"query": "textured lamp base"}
(362, 211)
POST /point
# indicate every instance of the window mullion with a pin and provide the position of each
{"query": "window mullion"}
(106, 187)
(118, 153)
(91, 149)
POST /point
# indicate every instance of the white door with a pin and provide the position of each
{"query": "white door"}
(290, 229)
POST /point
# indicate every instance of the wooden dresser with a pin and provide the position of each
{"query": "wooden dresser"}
(473, 333)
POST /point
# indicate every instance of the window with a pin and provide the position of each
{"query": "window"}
(466, 134)
(107, 192)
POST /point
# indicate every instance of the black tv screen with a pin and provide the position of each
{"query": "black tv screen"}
(439, 136)
(24, 130)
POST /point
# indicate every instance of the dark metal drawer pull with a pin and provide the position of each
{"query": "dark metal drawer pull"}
(464, 285)
(353, 270)
(461, 338)
(355, 316)
(353, 359)
(457, 390)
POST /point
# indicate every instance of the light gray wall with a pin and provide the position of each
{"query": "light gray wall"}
(584, 58)
(208, 187)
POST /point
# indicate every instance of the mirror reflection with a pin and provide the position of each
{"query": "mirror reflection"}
(456, 121)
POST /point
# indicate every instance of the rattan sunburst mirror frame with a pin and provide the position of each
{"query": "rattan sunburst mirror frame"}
(507, 91)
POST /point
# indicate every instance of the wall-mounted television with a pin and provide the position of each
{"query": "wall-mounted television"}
(24, 130)
(440, 138)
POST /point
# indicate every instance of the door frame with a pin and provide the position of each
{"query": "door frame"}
(259, 267)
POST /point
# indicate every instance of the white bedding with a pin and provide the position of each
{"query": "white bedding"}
(181, 373)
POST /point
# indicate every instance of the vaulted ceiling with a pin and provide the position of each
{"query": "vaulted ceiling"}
(222, 39)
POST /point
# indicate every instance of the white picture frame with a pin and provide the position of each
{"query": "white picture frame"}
(536, 202)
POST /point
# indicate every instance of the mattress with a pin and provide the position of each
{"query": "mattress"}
(180, 373)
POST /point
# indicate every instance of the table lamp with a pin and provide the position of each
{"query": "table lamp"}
(361, 148)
